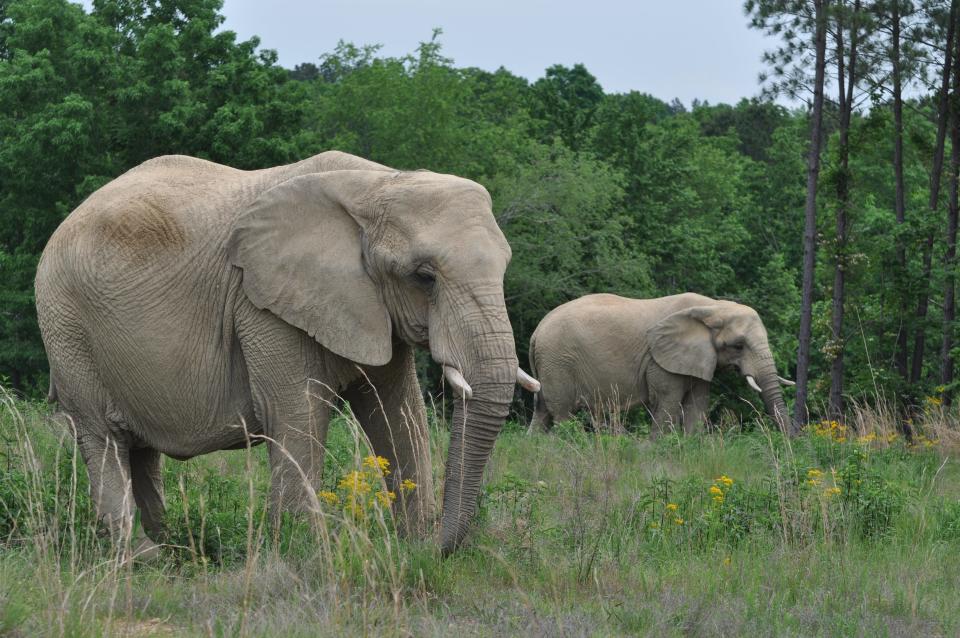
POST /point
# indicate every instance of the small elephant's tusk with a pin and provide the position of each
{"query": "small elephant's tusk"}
(527, 382)
(786, 381)
(753, 383)
(460, 385)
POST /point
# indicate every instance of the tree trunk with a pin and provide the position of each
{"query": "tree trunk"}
(800, 412)
(919, 344)
(899, 198)
(949, 290)
(845, 98)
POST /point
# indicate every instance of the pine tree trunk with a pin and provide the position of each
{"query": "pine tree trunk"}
(899, 197)
(919, 343)
(846, 79)
(800, 413)
(949, 286)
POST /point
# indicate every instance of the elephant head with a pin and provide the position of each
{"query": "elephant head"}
(695, 340)
(360, 258)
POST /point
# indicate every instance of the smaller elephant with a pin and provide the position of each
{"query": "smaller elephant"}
(604, 352)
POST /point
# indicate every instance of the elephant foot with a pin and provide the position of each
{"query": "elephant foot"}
(144, 551)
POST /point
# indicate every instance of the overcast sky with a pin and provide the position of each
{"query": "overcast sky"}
(669, 48)
(682, 49)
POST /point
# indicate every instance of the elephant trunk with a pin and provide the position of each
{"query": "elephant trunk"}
(773, 396)
(477, 421)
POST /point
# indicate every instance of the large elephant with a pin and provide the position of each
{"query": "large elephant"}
(186, 305)
(604, 352)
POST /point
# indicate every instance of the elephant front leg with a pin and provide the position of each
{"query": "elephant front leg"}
(389, 407)
(297, 431)
(292, 411)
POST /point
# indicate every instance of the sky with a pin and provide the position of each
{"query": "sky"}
(682, 49)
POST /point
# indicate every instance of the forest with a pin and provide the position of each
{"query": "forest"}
(828, 202)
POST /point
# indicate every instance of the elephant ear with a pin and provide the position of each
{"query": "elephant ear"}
(300, 246)
(682, 343)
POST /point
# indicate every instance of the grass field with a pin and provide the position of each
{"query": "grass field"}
(841, 532)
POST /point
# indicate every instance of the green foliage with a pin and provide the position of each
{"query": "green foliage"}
(619, 193)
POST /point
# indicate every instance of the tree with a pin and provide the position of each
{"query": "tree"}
(565, 101)
(950, 29)
(850, 21)
(84, 97)
(795, 19)
(896, 11)
(950, 256)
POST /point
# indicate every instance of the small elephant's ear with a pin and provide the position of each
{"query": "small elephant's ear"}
(682, 343)
(300, 248)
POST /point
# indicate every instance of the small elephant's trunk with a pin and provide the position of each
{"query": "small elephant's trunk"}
(772, 396)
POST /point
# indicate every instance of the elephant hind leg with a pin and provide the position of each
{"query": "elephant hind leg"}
(108, 465)
(145, 465)
(695, 405)
(86, 404)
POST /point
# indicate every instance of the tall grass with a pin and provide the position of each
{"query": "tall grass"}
(838, 532)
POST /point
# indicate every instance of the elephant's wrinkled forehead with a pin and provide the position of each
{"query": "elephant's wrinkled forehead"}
(426, 196)
(442, 216)
(739, 318)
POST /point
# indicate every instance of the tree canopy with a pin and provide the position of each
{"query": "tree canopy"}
(596, 191)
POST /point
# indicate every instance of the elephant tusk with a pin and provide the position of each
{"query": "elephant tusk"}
(753, 383)
(527, 382)
(460, 385)
(786, 381)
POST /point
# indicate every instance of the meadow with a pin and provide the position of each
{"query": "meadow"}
(841, 531)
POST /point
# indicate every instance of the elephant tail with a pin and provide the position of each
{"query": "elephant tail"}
(539, 405)
(52, 391)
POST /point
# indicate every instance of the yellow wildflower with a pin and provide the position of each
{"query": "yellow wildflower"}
(678, 521)
(718, 498)
(329, 497)
(814, 473)
(654, 525)
(832, 491)
(867, 438)
(377, 463)
(716, 491)
(407, 485)
(354, 482)
(672, 507)
(937, 401)
(726, 480)
(386, 498)
(727, 561)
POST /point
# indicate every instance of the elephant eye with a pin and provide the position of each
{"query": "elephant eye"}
(424, 276)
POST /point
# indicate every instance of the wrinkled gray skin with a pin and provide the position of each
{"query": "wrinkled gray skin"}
(186, 298)
(604, 352)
